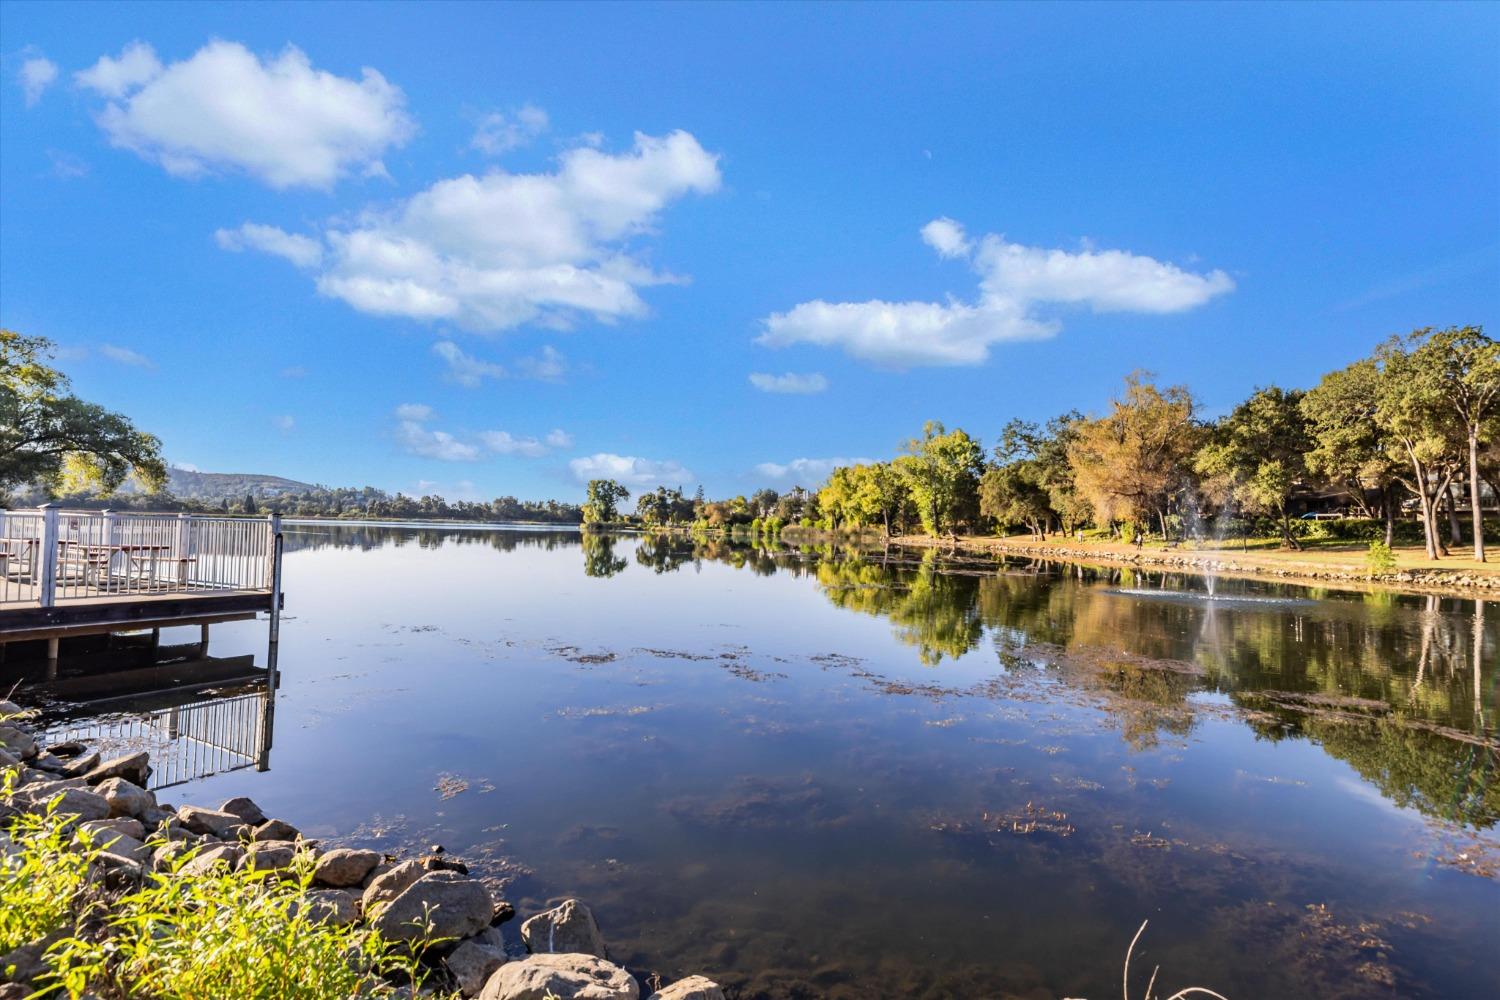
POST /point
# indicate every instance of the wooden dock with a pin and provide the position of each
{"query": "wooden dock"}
(77, 573)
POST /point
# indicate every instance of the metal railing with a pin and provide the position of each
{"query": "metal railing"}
(52, 555)
(188, 741)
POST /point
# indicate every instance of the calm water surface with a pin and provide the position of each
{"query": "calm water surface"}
(811, 772)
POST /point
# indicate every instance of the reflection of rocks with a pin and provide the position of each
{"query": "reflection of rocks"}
(764, 803)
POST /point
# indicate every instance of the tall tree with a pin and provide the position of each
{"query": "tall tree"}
(1418, 427)
(602, 501)
(1130, 463)
(1348, 449)
(1464, 366)
(45, 429)
(942, 469)
(1256, 456)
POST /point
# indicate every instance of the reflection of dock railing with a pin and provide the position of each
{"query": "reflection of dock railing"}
(192, 740)
(51, 555)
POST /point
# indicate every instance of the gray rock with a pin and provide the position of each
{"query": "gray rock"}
(18, 741)
(167, 854)
(211, 821)
(227, 855)
(567, 928)
(133, 767)
(344, 867)
(475, 960)
(9, 708)
(246, 810)
(124, 824)
(268, 855)
(124, 798)
(79, 766)
(275, 829)
(439, 905)
(8, 758)
(333, 906)
(121, 843)
(388, 885)
(71, 801)
(26, 961)
(566, 977)
(691, 988)
(46, 761)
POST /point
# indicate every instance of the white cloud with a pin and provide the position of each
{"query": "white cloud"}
(185, 466)
(284, 423)
(1014, 279)
(805, 471)
(125, 356)
(300, 250)
(501, 250)
(465, 369)
(506, 443)
(947, 238)
(559, 439)
(629, 470)
(413, 411)
(417, 437)
(498, 133)
(224, 108)
(547, 365)
(66, 165)
(791, 383)
(37, 74)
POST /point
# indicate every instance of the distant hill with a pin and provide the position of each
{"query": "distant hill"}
(214, 486)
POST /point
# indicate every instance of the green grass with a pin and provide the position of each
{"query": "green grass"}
(222, 935)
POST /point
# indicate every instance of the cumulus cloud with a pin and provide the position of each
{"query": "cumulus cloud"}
(547, 365)
(498, 251)
(629, 470)
(125, 356)
(805, 471)
(37, 74)
(300, 250)
(1013, 280)
(465, 369)
(791, 383)
(415, 434)
(498, 133)
(559, 439)
(279, 120)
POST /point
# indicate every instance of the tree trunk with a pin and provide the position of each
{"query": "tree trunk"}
(1477, 513)
(1286, 533)
(1388, 502)
(1162, 516)
(1455, 536)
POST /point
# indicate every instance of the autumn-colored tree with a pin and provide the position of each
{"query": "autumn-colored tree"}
(1132, 462)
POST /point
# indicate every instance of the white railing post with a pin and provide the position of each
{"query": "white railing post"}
(47, 586)
(184, 540)
(275, 581)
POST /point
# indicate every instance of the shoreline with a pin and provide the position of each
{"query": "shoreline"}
(1301, 568)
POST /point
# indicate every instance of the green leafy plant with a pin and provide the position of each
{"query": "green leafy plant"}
(43, 873)
(1379, 558)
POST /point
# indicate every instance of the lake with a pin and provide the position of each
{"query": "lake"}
(822, 772)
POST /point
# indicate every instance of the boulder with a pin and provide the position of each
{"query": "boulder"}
(167, 854)
(248, 812)
(47, 761)
(71, 749)
(124, 798)
(9, 708)
(210, 821)
(9, 758)
(98, 828)
(268, 855)
(344, 867)
(81, 765)
(73, 802)
(475, 960)
(333, 906)
(691, 988)
(439, 905)
(567, 928)
(133, 767)
(18, 741)
(123, 845)
(388, 885)
(275, 829)
(564, 977)
(227, 855)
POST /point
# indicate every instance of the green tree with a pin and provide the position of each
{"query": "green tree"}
(1256, 456)
(602, 501)
(1013, 494)
(47, 432)
(941, 470)
(1418, 427)
(1464, 366)
(1348, 449)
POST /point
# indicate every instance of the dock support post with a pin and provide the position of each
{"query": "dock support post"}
(203, 641)
(52, 650)
(47, 582)
(272, 676)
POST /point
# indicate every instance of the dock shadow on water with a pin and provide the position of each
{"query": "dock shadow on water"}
(826, 772)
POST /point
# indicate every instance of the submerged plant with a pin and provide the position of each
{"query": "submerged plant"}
(1182, 994)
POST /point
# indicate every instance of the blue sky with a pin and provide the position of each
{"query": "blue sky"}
(485, 249)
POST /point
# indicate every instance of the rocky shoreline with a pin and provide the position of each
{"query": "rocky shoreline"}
(416, 900)
(1460, 582)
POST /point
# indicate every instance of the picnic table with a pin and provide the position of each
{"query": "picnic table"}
(141, 559)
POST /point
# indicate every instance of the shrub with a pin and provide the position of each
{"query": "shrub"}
(42, 876)
(1379, 558)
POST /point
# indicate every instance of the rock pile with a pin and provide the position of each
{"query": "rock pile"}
(418, 900)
